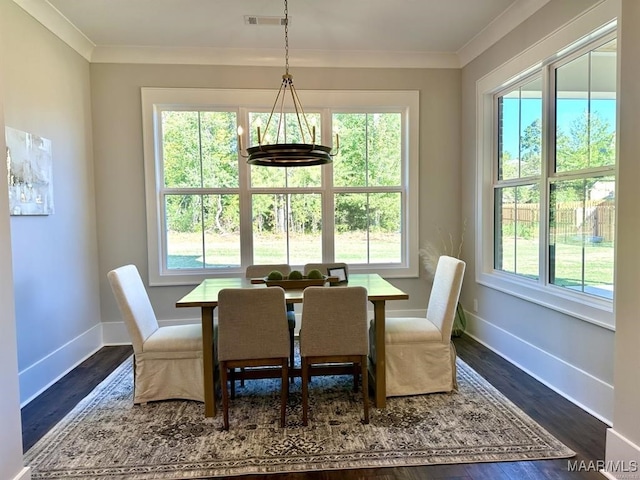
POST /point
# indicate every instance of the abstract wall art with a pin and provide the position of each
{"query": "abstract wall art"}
(29, 173)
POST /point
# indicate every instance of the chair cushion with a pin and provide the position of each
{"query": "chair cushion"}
(175, 338)
(411, 330)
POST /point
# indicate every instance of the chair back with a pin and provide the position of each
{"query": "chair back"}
(134, 304)
(334, 321)
(252, 324)
(324, 267)
(259, 271)
(445, 293)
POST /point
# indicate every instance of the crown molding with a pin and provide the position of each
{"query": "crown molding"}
(498, 28)
(274, 57)
(59, 25)
(53, 20)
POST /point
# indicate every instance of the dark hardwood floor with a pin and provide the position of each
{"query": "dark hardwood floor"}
(577, 429)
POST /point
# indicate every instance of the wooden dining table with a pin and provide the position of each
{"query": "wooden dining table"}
(205, 297)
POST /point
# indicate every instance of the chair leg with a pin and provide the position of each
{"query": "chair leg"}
(305, 391)
(356, 374)
(232, 382)
(284, 392)
(225, 394)
(292, 354)
(364, 368)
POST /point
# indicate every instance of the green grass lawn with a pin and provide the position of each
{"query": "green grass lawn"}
(185, 249)
(521, 257)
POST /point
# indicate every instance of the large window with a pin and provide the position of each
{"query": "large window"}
(548, 201)
(209, 213)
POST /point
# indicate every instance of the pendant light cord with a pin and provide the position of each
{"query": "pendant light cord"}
(286, 36)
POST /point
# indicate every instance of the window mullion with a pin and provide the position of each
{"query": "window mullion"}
(244, 174)
(546, 165)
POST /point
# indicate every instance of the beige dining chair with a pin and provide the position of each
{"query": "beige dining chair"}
(167, 360)
(420, 356)
(261, 271)
(334, 330)
(243, 343)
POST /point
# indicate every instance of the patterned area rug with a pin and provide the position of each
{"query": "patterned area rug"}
(106, 436)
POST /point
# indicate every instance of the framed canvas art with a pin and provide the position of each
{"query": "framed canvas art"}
(29, 173)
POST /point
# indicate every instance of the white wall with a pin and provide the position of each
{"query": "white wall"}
(55, 276)
(117, 135)
(11, 465)
(567, 353)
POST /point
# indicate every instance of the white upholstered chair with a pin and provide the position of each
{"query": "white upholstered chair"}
(420, 356)
(247, 341)
(334, 330)
(167, 360)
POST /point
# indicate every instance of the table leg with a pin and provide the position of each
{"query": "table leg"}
(208, 356)
(380, 387)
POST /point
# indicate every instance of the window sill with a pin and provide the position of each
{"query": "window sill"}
(598, 311)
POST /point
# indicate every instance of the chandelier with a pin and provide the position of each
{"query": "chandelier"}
(285, 154)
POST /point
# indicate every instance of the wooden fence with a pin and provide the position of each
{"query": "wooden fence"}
(593, 220)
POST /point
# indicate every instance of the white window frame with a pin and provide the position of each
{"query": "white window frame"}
(243, 100)
(594, 24)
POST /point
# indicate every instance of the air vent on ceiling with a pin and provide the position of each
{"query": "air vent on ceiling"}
(256, 20)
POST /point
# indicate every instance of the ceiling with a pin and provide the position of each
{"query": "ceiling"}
(401, 33)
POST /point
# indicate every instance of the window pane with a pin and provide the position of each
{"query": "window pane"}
(222, 230)
(384, 149)
(385, 221)
(269, 228)
(199, 149)
(349, 166)
(183, 214)
(187, 216)
(287, 228)
(367, 228)
(305, 228)
(582, 228)
(219, 149)
(351, 228)
(517, 230)
(586, 110)
(520, 132)
(370, 149)
(181, 149)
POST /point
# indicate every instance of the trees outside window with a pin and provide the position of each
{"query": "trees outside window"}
(213, 214)
(554, 193)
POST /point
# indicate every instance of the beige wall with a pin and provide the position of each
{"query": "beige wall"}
(120, 185)
(10, 433)
(569, 354)
(54, 257)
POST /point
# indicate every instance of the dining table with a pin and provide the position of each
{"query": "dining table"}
(205, 297)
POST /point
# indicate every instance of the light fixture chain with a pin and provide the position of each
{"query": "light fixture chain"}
(286, 36)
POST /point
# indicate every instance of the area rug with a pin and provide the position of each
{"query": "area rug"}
(106, 436)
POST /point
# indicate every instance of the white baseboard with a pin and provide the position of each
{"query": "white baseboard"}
(25, 474)
(36, 378)
(622, 457)
(579, 387)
